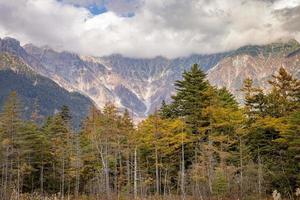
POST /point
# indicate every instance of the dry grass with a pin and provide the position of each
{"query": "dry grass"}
(55, 197)
(36, 196)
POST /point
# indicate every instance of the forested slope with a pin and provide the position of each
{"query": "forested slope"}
(202, 145)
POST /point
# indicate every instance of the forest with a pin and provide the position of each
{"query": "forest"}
(203, 145)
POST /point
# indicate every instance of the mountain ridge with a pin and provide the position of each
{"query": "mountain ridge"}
(140, 85)
(143, 82)
(232, 70)
(17, 75)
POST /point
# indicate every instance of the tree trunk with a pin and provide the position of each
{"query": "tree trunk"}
(77, 167)
(259, 176)
(182, 171)
(135, 173)
(156, 172)
(63, 178)
(42, 179)
(18, 178)
(6, 175)
(241, 168)
(106, 169)
(209, 171)
(128, 173)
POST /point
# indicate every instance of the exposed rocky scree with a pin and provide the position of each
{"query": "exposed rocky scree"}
(140, 85)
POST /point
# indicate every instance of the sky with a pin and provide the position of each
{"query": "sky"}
(149, 28)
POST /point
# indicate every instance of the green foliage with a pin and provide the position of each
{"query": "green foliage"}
(15, 75)
(271, 128)
(191, 97)
(226, 98)
(239, 153)
(220, 183)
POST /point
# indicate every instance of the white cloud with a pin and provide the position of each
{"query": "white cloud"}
(169, 28)
(281, 4)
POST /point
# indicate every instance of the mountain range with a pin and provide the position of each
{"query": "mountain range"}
(36, 92)
(140, 84)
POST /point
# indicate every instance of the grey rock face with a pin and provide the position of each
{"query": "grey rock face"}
(256, 62)
(140, 85)
(17, 75)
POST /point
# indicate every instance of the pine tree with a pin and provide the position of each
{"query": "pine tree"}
(286, 84)
(254, 100)
(59, 136)
(10, 128)
(220, 183)
(34, 155)
(283, 98)
(90, 156)
(165, 110)
(226, 98)
(191, 97)
(292, 137)
(65, 114)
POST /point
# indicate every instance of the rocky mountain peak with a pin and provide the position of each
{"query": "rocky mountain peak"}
(141, 84)
(279, 48)
(12, 46)
(11, 41)
(256, 62)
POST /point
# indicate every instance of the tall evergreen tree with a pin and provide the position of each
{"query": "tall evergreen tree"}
(59, 136)
(226, 98)
(254, 99)
(191, 97)
(166, 111)
(10, 128)
(283, 98)
(34, 156)
(237, 153)
(292, 136)
(65, 114)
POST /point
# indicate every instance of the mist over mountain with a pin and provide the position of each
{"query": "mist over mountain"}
(140, 85)
(149, 99)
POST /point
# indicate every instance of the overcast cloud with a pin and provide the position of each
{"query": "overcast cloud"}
(168, 28)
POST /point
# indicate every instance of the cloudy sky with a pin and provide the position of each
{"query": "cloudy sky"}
(148, 28)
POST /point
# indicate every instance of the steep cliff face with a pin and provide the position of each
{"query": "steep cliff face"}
(256, 62)
(139, 85)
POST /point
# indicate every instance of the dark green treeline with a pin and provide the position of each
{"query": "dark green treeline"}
(202, 145)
